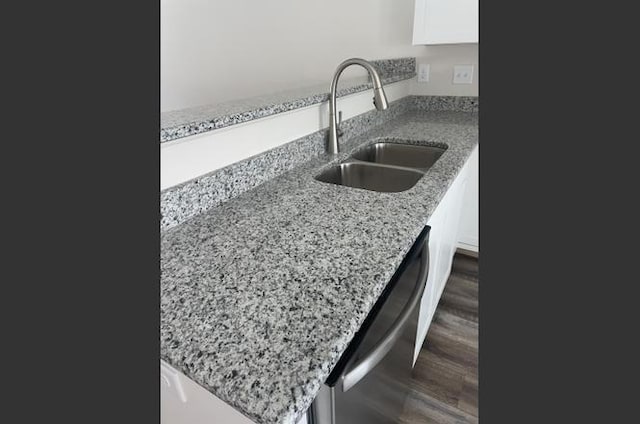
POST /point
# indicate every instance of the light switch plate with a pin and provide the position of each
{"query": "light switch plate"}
(462, 74)
(423, 72)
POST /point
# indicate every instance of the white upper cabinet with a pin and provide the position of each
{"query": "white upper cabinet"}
(445, 22)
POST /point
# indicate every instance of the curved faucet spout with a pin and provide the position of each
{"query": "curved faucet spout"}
(379, 98)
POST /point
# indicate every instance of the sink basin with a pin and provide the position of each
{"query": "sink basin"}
(371, 177)
(412, 156)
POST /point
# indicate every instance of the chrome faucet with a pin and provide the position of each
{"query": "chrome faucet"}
(379, 99)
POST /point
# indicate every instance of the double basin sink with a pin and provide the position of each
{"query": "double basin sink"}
(383, 167)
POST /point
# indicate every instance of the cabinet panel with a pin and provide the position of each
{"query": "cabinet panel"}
(436, 222)
(469, 229)
(183, 401)
(443, 241)
(452, 226)
(445, 22)
(194, 404)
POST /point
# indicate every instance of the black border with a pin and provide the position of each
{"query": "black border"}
(81, 284)
(556, 128)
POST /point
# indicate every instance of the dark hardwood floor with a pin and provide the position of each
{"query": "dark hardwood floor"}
(444, 386)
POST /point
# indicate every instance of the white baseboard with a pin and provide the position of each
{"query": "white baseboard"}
(473, 247)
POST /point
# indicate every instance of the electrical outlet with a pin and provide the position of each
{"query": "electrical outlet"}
(423, 72)
(462, 74)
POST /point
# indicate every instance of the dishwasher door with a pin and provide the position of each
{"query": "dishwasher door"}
(371, 380)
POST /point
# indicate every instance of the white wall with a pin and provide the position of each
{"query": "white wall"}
(218, 50)
(441, 59)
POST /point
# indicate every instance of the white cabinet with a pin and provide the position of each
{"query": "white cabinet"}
(183, 401)
(443, 241)
(469, 234)
(445, 22)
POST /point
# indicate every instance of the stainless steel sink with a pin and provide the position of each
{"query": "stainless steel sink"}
(384, 166)
(371, 177)
(412, 156)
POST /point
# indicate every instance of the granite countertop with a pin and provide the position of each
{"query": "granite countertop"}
(262, 294)
(197, 120)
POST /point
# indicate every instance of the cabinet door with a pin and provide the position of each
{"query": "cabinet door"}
(469, 230)
(427, 308)
(449, 241)
(443, 237)
(445, 22)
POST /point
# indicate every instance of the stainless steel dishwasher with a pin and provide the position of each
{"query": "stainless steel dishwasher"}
(369, 384)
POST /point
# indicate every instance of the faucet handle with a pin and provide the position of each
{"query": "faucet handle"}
(340, 132)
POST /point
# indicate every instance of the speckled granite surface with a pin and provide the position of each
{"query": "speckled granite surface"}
(261, 294)
(187, 122)
(179, 203)
(458, 103)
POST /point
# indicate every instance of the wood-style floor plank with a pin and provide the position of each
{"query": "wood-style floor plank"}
(461, 297)
(468, 400)
(424, 409)
(464, 264)
(444, 386)
(438, 377)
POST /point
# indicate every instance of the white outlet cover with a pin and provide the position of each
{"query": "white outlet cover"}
(462, 74)
(423, 72)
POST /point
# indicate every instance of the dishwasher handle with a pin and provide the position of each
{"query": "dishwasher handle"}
(379, 351)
